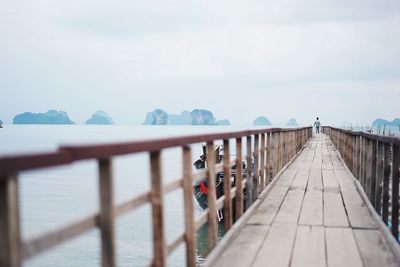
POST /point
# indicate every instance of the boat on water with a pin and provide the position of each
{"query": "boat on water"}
(201, 187)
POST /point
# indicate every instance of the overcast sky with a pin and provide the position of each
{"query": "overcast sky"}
(336, 59)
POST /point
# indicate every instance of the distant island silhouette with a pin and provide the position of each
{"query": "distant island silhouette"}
(195, 117)
(261, 120)
(100, 118)
(50, 117)
(383, 122)
(292, 122)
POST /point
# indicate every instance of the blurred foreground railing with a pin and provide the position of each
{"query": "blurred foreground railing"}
(374, 161)
(269, 149)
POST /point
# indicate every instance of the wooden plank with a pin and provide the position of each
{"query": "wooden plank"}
(329, 179)
(334, 211)
(342, 248)
(315, 179)
(344, 179)
(212, 197)
(357, 212)
(239, 170)
(273, 255)
(290, 209)
(107, 213)
(267, 210)
(228, 218)
(301, 178)
(249, 241)
(311, 211)
(157, 204)
(190, 226)
(373, 248)
(309, 247)
(287, 177)
(10, 240)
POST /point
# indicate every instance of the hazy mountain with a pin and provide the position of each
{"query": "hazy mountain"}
(292, 122)
(156, 117)
(50, 117)
(101, 118)
(261, 121)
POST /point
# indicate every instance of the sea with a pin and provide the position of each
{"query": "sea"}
(54, 197)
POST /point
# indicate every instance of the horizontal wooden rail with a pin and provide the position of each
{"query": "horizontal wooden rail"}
(374, 161)
(267, 150)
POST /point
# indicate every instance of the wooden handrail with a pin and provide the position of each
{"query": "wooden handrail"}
(374, 161)
(263, 158)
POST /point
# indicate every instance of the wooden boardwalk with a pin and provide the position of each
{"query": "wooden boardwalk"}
(312, 216)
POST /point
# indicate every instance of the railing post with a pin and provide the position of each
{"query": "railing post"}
(256, 174)
(10, 237)
(227, 187)
(262, 168)
(239, 171)
(212, 197)
(373, 172)
(157, 204)
(395, 190)
(107, 215)
(386, 180)
(379, 177)
(249, 181)
(269, 172)
(187, 184)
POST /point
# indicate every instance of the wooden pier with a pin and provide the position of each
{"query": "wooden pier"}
(330, 199)
(313, 215)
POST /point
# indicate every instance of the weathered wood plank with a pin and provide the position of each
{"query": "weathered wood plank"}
(334, 211)
(341, 248)
(290, 209)
(269, 207)
(309, 247)
(311, 211)
(245, 247)
(272, 254)
(373, 248)
(329, 179)
(357, 212)
(315, 178)
(301, 178)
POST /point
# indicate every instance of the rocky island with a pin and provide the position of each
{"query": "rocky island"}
(292, 122)
(261, 120)
(383, 122)
(195, 117)
(50, 117)
(100, 118)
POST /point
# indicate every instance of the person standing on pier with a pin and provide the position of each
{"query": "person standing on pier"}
(317, 125)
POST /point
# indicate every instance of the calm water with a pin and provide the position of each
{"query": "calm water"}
(54, 197)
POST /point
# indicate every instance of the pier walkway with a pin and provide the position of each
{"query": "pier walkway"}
(313, 215)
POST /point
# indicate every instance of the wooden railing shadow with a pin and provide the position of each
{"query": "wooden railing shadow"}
(268, 150)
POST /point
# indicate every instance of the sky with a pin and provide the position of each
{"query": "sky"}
(336, 59)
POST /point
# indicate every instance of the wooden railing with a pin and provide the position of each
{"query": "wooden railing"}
(374, 161)
(269, 150)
